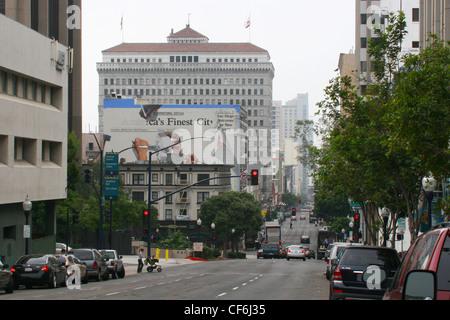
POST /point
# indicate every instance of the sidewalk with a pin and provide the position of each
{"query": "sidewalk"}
(131, 263)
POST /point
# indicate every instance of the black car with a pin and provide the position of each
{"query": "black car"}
(95, 263)
(363, 272)
(39, 270)
(6, 279)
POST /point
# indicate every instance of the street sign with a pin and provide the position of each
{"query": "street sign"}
(401, 224)
(27, 231)
(112, 163)
(243, 176)
(112, 188)
(198, 246)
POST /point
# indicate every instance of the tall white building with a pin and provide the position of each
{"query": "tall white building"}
(190, 70)
(369, 14)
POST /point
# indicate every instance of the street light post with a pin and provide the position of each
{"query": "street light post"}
(429, 184)
(149, 195)
(102, 200)
(385, 215)
(27, 205)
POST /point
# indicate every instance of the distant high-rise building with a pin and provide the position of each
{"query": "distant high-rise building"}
(371, 14)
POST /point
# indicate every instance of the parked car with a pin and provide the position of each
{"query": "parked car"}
(115, 263)
(95, 263)
(296, 252)
(6, 278)
(38, 270)
(425, 266)
(335, 250)
(62, 246)
(71, 260)
(363, 272)
(283, 253)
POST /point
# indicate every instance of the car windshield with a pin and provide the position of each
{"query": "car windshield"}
(83, 254)
(108, 254)
(31, 260)
(366, 257)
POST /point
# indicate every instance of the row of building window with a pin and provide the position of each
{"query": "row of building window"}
(183, 81)
(414, 44)
(25, 151)
(25, 88)
(184, 92)
(184, 59)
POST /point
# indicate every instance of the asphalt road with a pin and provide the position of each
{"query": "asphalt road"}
(249, 279)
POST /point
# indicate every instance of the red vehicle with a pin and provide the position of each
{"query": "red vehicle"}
(425, 270)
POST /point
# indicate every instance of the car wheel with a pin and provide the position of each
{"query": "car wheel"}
(106, 275)
(122, 273)
(52, 281)
(10, 287)
(114, 274)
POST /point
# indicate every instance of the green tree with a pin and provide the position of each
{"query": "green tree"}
(231, 210)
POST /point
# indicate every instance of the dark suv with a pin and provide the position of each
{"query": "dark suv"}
(363, 272)
(425, 270)
(95, 263)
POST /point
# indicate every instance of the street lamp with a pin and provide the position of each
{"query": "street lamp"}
(199, 223)
(351, 227)
(102, 199)
(429, 184)
(213, 226)
(27, 205)
(385, 215)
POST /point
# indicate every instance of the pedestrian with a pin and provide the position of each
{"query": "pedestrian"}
(140, 263)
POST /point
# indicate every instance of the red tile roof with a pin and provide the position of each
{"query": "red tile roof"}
(187, 32)
(185, 47)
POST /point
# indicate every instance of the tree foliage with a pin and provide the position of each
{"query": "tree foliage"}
(378, 146)
(231, 210)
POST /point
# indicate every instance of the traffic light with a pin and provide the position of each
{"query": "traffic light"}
(294, 212)
(254, 177)
(87, 176)
(299, 200)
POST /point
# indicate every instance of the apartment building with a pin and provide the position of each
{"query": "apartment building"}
(372, 13)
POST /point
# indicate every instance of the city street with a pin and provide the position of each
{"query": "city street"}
(249, 279)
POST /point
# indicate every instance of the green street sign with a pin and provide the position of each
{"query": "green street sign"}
(111, 163)
(112, 188)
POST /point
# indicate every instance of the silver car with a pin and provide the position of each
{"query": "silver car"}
(115, 264)
(296, 252)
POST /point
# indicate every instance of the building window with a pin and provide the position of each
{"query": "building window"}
(138, 179)
(168, 214)
(415, 14)
(203, 176)
(202, 196)
(415, 44)
(154, 177)
(169, 179)
(169, 198)
(137, 196)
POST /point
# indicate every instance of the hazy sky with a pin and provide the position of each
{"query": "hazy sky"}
(304, 37)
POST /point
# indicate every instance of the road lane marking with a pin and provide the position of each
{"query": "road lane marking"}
(222, 294)
(235, 288)
(140, 288)
(113, 293)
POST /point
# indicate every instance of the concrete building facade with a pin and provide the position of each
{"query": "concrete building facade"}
(33, 136)
(190, 70)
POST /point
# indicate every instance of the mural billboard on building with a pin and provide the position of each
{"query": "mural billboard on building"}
(212, 134)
